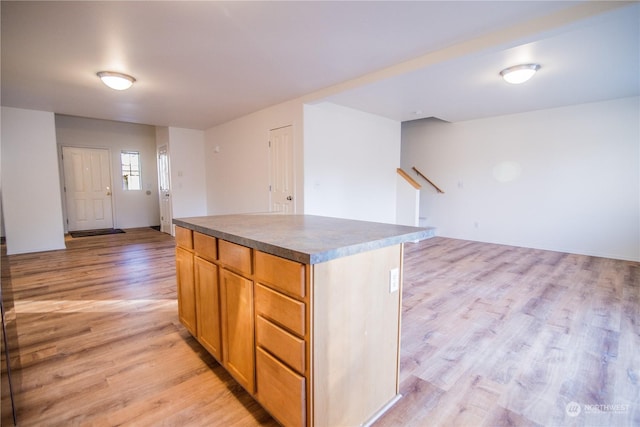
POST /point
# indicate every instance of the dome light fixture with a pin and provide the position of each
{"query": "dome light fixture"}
(115, 80)
(519, 73)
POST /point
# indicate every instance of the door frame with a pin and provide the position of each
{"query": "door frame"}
(63, 195)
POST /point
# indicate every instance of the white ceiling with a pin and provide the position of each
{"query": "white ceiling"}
(199, 64)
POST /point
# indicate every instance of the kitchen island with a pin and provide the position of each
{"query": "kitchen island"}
(303, 311)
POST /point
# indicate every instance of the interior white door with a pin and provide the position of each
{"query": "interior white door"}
(88, 188)
(165, 190)
(281, 170)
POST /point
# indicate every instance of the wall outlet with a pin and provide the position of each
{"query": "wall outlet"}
(394, 280)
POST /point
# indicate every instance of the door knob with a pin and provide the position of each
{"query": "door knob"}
(289, 198)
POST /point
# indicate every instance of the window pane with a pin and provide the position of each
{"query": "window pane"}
(163, 166)
(130, 170)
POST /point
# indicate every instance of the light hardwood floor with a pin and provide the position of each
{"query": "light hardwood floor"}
(496, 335)
(491, 335)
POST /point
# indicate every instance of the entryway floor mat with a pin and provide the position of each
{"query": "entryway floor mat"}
(101, 232)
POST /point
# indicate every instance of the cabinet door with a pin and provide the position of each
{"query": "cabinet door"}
(208, 306)
(237, 327)
(186, 290)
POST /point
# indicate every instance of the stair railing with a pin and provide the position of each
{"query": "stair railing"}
(428, 180)
(408, 178)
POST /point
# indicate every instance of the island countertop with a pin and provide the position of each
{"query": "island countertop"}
(308, 239)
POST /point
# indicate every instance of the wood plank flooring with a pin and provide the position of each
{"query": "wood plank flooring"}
(497, 336)
(95, 340)
(491, 335)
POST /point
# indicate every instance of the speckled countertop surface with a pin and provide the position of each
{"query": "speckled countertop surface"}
(304, 238)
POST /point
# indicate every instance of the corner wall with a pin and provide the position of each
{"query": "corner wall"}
(350, 163)
(564, 179)
(30, 182)
(188, 175)
(237, 160)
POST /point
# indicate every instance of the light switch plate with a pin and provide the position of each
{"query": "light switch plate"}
(394, 280)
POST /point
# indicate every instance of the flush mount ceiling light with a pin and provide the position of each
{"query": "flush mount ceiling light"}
(117, 81)
(519, 73)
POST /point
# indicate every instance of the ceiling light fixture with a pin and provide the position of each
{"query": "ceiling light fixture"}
(117, 81)
(519, 73)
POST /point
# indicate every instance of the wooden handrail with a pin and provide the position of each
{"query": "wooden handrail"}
(410, 180)
(428, 180)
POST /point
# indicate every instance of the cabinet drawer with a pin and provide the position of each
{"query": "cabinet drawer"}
(184, 237)
(280, 390)
(280, 343)
(205, 246)
(280, 309)
(235, 256)
(281, 273)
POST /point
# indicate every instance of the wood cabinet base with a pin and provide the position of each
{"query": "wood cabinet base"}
(315, 344)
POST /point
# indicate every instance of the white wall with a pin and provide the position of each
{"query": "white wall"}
(30, 186)
(188, 176)
(132, 208)
(350, 163)
(237, 160)
(407, 203)
(564, 179)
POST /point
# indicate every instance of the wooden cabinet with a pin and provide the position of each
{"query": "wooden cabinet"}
(198, 290)
(356, 337)
(208, 307)
(281, 377)
(237, 327)
(186, 290)
(215, 300)
(281, 338)
(315, 344)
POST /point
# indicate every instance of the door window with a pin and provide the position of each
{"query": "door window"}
(130, 170)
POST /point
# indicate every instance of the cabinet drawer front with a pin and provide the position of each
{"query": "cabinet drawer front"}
(280, 309)
(184, 237)
(205, 246)
(235, 256)
(280, 390)
(281, 273)
(280, 343)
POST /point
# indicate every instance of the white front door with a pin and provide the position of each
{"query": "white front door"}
(281, 170)
(165, 192)
(88, 188)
